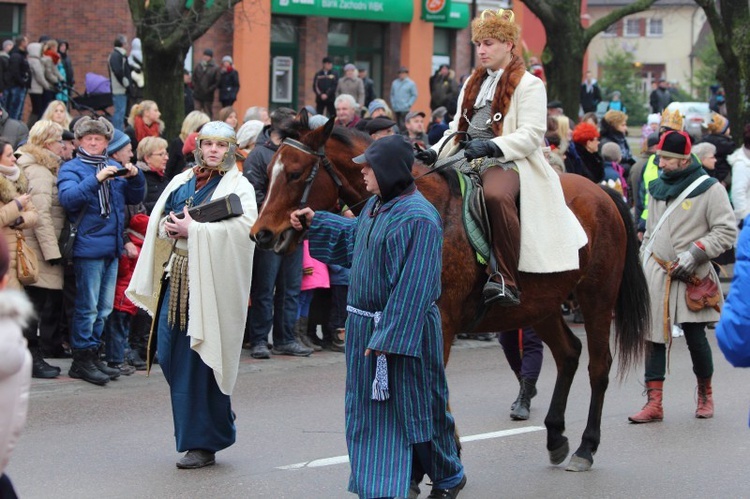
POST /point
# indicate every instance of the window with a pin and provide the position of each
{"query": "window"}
(10, 20)
(655, 28)
(284, 30)
(632, 28)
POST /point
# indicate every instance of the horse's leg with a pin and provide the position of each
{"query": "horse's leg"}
(566, 350)
(598, 319)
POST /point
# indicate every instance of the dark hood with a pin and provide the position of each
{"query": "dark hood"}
(391, 159)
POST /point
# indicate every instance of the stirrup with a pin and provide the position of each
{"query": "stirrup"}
(499, 292)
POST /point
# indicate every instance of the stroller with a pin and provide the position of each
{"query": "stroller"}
(96, 99)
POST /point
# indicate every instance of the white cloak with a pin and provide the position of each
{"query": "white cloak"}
(220, 267)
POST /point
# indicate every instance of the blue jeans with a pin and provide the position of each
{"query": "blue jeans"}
(15, 99)
(116, 331)
(121, 105)
(275, 296)
(95, 295)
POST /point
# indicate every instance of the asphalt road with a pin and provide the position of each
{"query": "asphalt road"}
(83, 441)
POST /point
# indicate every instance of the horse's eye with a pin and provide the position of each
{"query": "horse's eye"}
(295, 176)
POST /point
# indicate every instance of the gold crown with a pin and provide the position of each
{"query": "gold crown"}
(671, 120)
(499, 24)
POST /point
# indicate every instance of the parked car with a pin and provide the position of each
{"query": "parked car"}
(696, 114)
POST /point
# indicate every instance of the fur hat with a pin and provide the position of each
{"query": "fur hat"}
(499, 25)
(718, 124)
(93, 126)
(671, 119)
(675, 144)
(615, 118)
(584, 132)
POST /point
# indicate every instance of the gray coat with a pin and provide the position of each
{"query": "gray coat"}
(353, 87)
(706, 218)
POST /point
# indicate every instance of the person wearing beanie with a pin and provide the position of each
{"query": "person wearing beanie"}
(379, 108)
(400, 232)
(324, 85)
(351, 84)
(206, 78)
(677, 250)
(586, 143)
(229, 82)
(94, 191)
(719, 134)
(614, 128)
(200, 318)
(503, 108)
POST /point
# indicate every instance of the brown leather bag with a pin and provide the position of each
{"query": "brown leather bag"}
(27, 263)
(702, 293)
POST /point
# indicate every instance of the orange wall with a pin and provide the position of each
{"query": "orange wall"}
(252, 42)
(416, 54)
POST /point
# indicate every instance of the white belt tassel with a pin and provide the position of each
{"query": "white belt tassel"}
(380, 383)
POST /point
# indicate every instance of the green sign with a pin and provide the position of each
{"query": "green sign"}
(393, 11)
(458, 17)
(436, 11)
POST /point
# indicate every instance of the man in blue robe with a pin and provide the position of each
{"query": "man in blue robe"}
(397, 422)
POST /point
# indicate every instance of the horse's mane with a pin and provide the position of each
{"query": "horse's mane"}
(451, 177)
(294, 129)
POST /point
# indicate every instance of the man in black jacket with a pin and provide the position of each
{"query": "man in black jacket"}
(276, 278)
(324, 85)
(4, 69)
(19, 78)
(119, 78)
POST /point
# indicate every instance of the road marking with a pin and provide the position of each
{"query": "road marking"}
(330, 461)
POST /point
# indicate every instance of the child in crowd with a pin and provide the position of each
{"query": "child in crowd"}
(314, 276)
(118, 325)
(614, 173)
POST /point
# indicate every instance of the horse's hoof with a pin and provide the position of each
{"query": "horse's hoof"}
(578, 464)
(558, 455)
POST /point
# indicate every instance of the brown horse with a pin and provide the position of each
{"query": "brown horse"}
(610, 277)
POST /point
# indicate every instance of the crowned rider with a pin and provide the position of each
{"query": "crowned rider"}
(200, 316)
(503, 110)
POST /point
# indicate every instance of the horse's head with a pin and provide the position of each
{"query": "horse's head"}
(307, 170)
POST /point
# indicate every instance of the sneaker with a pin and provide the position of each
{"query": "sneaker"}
(293, 348)
(197, 458)
(125, 369)
(260, 352)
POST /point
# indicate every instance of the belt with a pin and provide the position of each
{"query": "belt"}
(375, 316)
(380, 383)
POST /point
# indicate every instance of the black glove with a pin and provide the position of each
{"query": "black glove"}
(55, 261)
(479, 148)
(426, 156)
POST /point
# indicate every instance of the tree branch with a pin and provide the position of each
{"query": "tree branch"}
(722, 33)
(614, 16)
(543, 10)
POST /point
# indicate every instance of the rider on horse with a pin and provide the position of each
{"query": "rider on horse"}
(503, 110)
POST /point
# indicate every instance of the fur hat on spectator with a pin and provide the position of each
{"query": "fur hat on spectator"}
(93, 126)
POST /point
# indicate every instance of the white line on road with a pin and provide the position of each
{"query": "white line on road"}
(330, 461)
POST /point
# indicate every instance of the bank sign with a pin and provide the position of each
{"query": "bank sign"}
(436, 11)
(394, 11)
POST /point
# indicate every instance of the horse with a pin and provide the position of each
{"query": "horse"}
(610, 277)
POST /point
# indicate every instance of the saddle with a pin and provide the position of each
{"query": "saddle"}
(474, 214)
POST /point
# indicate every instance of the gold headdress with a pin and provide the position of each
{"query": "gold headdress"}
(672, 120)
(498, 24)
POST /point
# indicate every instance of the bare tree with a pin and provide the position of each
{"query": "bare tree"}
(567, 41)
(729, 20)
(167, 29)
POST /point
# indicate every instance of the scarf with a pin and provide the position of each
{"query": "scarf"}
(506, 85)
(669, 185)
(10, 172)
(52, 55)
(98, 161)
(142, 130)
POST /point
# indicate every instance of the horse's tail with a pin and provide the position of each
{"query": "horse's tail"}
(633, 307)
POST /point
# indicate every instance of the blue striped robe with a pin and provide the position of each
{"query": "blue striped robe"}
(395, 258)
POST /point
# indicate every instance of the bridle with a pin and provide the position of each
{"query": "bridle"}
(322, 159)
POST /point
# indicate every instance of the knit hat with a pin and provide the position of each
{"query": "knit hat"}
(718, 124)
(93, 126)
(671, 119)
(228, 59)
(119, 140)
(499, 25)
(349, 67)
(653, 119)
(248, 133)
(615, 118)
(584, 132)
(208, 52)
(675, 144)
(375, 105)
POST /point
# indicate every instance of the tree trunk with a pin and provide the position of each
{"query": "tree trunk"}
(163, 70)
(562, 67)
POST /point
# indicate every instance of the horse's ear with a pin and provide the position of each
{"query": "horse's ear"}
(328, 128)
(303, 118)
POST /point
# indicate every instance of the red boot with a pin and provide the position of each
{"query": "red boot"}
(652, 411)
(705, 408)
